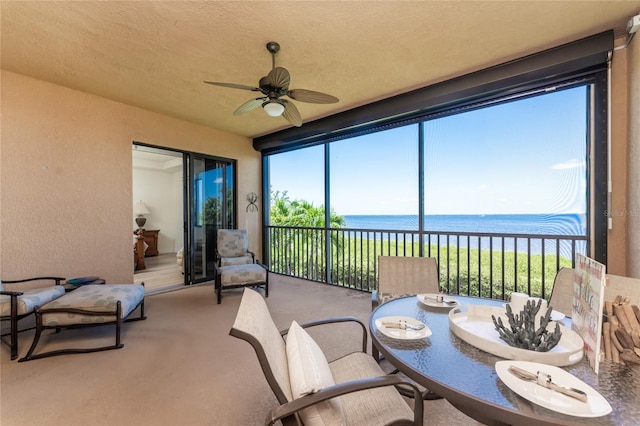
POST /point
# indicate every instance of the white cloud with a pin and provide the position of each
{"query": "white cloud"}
(570, 164)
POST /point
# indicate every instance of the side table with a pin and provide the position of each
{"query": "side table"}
(151, 238)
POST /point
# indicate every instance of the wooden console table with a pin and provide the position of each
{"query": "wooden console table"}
(151, 238)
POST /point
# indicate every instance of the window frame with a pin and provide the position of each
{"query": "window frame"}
(582, 62)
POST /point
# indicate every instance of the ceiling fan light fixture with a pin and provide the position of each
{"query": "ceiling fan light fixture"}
(274, 109)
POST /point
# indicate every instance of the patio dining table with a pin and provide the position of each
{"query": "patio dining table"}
(466, 375)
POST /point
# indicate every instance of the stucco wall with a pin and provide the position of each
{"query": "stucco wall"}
(66, 178)
(633, 160)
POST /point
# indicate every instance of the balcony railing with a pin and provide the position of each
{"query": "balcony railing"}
(473, 264)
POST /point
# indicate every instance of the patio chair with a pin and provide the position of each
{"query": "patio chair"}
(307, 386)
(561, 299)
(400, 276)
(21, 298)
(233, 247)
(236, 266)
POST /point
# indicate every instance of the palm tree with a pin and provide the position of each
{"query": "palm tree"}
(304, 237)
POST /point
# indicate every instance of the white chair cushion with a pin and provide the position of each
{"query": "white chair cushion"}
(309, 372)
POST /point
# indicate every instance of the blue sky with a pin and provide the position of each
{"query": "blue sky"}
(526, 156)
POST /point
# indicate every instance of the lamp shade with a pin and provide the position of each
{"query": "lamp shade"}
(274, 109)
(140, 208)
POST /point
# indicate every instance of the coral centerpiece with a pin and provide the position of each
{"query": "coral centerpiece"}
(522, 332)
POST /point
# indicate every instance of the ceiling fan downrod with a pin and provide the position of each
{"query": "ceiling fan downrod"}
(273, 48)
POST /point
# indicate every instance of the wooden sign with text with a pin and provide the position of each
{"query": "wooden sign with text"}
(588, 303)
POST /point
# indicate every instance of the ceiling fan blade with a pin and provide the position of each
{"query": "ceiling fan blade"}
(310, 96)
(233, 86)
(279, 77)
(249, 105)
(291, 113)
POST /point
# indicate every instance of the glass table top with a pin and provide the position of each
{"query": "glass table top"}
(466, 375)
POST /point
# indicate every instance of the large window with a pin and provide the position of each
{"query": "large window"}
(485, 169)
(509, 160)
(516, 167)
(296, 187)
(376, 175)
(497, 192)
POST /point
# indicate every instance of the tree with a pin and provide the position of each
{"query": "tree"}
(299, 250)
(301, 213)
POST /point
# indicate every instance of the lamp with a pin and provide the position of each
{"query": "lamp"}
(141, 209)
(273, 108)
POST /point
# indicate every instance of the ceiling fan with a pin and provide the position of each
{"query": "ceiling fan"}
(274, 86)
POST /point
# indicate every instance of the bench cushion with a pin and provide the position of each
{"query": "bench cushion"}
(309, 373)
(28, 301)
(93, 298)
(371, 406)
(242, 274)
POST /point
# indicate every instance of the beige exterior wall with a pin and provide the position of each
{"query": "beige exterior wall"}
(66, 178)
(633, 159)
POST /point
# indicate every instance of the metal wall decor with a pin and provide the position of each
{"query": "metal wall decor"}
(252, 197)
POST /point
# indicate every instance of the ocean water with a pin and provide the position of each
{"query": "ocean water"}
(557, 225)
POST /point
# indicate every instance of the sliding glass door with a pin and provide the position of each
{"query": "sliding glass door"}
(210, 206)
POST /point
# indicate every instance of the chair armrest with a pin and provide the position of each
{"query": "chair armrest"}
(334, 321)
(253, 256)
(11, 293)
(375, 299)
(296, 405)
(58, 280)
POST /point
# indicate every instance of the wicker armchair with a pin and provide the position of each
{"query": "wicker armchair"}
(307, 386)
(20, 298)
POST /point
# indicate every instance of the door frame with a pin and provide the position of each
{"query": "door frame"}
(188, 212)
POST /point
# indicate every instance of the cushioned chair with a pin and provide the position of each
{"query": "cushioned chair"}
(307, 386)
(20, 298)
(233, 247)
(400, 276)
(236, 266)
(561, 298)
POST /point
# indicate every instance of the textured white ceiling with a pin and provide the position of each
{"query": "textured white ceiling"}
(155, 54)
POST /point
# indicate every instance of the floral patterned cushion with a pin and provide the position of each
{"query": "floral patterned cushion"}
(242, 260)
(232, 242)
(94, 298)
(31, 299)
(242, 274)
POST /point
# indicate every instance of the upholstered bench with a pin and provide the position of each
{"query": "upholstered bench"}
(89, 305)
(236, 276)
